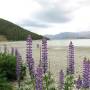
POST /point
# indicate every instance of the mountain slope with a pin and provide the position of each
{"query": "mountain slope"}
(14, 32)
(70, 35)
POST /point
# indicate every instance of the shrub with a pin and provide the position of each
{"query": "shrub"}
(8, 66)
(4, 84)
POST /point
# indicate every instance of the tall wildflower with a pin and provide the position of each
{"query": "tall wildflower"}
(31, 67)
(89, 72)
(40, 62)
(18, 66)
(61, 80)
(30, 60)
(44, 55)
(71, 59)
(79, 83)
(86, 73)
(39, 78)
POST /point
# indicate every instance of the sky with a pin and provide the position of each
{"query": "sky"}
(48, 16)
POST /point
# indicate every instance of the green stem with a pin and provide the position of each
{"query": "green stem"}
(33, 80)
(46, 83)
(19, 82)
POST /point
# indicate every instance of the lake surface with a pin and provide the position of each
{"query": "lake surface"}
(76, 42)
(52, 43)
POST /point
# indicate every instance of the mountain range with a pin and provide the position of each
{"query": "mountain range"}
(71, 35)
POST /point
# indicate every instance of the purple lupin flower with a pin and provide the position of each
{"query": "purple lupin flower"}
(18, 66)
(86, 73)
(79, 83)
(39, 78)
(31, 67)
(40, 62)
(30, 60)
(44, 55)
(61, 80)
(89, 72)
(71, 59)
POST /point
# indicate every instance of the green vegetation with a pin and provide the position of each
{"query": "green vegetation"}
(13, 32)
(4, 84)
(69, 82)
(48, 82)
(8, 67)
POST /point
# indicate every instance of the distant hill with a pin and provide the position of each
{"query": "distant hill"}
(70, 35)
(13, 32)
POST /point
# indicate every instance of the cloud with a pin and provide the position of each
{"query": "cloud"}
(59, 11)
(32, 23)
(48, 16)
(17, 10)
(52, 12)
(62, 15)
(53, 15)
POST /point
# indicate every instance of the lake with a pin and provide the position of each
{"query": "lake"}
(77, 42)
(52, 43)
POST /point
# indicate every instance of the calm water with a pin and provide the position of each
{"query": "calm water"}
(77, 42)
(51, 43)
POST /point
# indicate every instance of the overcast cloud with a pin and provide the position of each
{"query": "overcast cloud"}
(32, 23)
(48, 16)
